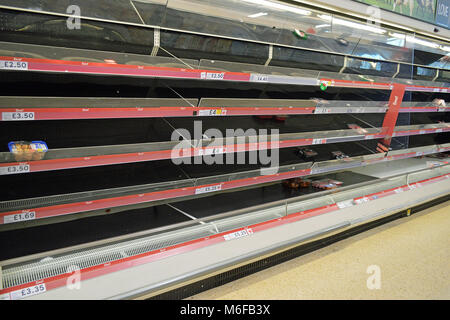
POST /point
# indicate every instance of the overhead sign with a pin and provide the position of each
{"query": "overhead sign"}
(420, 9)
(443, 13)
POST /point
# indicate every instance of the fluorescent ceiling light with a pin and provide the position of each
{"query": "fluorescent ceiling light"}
(325, 17)
(280, 6)
(256, 15)
(322, 26)
(351, 24)
(356, 25)
(397, 35)
(422, 42)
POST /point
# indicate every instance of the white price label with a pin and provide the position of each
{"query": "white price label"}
(319, 141)
(17, 116)
(13, 65)
(212, 112)
(318, 170)
(28, 292)
(438, 130)
(345, 204)
(30, 215)
(322, 110)
(419, 154)
(201, 190)
(399, 190)
(259, 77)
(209, 151)
(238, 234)
(5, 296)
(414, 186)
(422, 131)
(21, 168)
(362, 200)
(212, 75)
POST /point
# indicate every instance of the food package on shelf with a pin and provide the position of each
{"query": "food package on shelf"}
(338, 155)
(336, 182)
(25, 151)
(324, 184)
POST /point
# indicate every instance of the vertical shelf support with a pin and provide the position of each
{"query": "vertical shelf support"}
(390, 119)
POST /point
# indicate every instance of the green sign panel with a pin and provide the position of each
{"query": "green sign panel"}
(419, 9)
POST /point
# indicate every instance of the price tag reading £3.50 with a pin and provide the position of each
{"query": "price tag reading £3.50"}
(21, 168)
(17, 116)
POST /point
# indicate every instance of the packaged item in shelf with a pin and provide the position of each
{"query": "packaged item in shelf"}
(338, 155)
(323, 184)
(439, 103)
(290, 183)
(316, 183)
(329, 186)
(300, 34)
(336, 182)
(342, 41)
(306, 153)
(382, 148)
(357, 128)
(24, 150)
(280, 118)
(39, 148)
(320, 101)
(305, 183)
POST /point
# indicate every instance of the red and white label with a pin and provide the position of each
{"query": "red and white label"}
(254, 77)
(212, 112)
(17, 116)
(238, 234)
(212, 75)
(21, 168)
(210, 151)
(345, 204)
(28, 292)
(319, 141)
(24, 216)
(362, 200)
(13, 65)
(320, 110)
(207, 189)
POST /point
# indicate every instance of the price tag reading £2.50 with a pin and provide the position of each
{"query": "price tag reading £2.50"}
(21, 168)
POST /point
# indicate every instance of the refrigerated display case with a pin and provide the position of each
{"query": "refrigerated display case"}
(132, 106)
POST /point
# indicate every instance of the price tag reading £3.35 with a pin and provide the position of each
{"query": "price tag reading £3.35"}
(27, 292)
(13, 65)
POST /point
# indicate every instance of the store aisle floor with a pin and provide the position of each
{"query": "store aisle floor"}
(411, 254)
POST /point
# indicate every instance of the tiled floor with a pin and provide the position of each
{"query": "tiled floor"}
(413, 256)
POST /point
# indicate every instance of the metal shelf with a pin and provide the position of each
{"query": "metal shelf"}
(43, 207)
(136, 249)
(55, 108)
(22, 57)
(69, 158)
